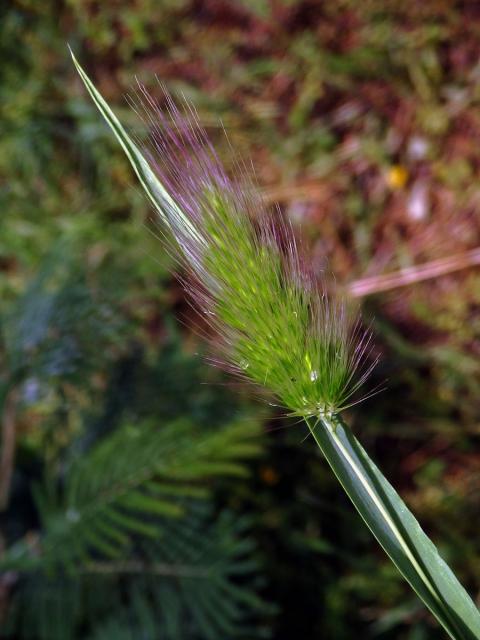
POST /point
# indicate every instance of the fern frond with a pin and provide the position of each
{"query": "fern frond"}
(130, 485)
(199, 599)
(197, 581)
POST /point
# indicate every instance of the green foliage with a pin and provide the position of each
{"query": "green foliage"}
(180, 585)
(128, 484)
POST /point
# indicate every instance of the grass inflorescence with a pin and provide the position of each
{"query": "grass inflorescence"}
(279, 326)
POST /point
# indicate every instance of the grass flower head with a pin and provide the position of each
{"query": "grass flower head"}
(278, 325)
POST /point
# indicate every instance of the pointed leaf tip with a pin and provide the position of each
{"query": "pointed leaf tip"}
(162, 201)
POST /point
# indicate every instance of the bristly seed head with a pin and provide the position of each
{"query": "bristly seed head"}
(278, 326)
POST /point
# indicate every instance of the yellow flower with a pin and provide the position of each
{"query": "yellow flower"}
(397, 176)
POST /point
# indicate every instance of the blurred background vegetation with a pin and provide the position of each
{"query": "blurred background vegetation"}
(142, 493)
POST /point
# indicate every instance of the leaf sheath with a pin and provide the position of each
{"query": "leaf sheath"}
(396, 529)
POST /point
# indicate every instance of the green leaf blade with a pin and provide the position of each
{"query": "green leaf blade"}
(169, 211)
(397, 530)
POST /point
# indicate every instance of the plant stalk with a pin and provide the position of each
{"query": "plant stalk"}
(396, 529)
